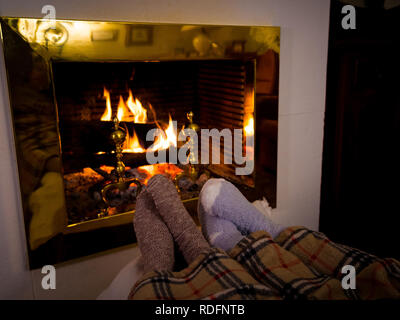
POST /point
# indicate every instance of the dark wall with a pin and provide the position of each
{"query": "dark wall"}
(360, 185)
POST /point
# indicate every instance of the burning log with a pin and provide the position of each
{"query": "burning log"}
(73, 162)
(88, 144)
(83, 189)
(91, 136)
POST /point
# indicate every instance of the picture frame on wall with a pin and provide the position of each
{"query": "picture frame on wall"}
(139, 35)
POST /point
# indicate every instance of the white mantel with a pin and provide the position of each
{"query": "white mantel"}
(304, 43)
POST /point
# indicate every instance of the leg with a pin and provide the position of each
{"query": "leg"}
(182, 227)
(154, 239)
(220, 198)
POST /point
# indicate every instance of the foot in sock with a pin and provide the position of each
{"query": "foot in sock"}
(220, 233)
(220, 198)
(181, 225)
(154, 238)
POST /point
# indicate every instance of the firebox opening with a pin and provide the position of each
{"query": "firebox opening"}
(143, 95)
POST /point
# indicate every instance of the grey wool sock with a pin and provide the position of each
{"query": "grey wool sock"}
(220, 233)
(181, 225)
(220, 198)
(154, 239)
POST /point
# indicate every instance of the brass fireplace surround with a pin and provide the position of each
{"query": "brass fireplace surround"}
(31, 46)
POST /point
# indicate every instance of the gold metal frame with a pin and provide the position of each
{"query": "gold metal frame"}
(43, 41)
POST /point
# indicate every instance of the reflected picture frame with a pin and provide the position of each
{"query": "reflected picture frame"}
(139, 35)
(104, 35)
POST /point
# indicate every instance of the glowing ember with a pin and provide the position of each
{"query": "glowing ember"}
(168, 169)
(107, 169)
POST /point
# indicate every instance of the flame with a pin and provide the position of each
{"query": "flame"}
(133, 111)
(248, 132)
(132, 144)
(135, 106)
(249, 127)
(169, 169)
(123, 113)
(108, 112)
(166, 139)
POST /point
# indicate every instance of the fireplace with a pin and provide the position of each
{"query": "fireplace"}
(215, 92)
(74, 85)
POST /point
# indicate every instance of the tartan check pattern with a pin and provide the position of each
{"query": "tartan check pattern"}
(375, 278)
(213, 275)
(298, 264)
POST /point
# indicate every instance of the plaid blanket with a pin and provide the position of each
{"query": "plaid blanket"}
(298, 264)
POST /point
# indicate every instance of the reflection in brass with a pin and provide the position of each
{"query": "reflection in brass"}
(121, 183)
(72, 40)
(193, 170)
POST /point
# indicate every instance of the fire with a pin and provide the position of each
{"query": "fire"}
(132, 144)
(249, 127)
(160, 168)
(107, 169)
(167, 169)
(166, 139)
(248, 132)
(133, 111)
(108, 112)
(123, 113)
(135, 106)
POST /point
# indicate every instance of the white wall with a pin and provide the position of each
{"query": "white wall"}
(304, 41)
(14, 278)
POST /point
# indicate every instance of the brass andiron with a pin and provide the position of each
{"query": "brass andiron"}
(120, 182)
(192, 170)
(192, 125)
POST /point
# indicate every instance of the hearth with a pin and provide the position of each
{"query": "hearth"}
(84, 96)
